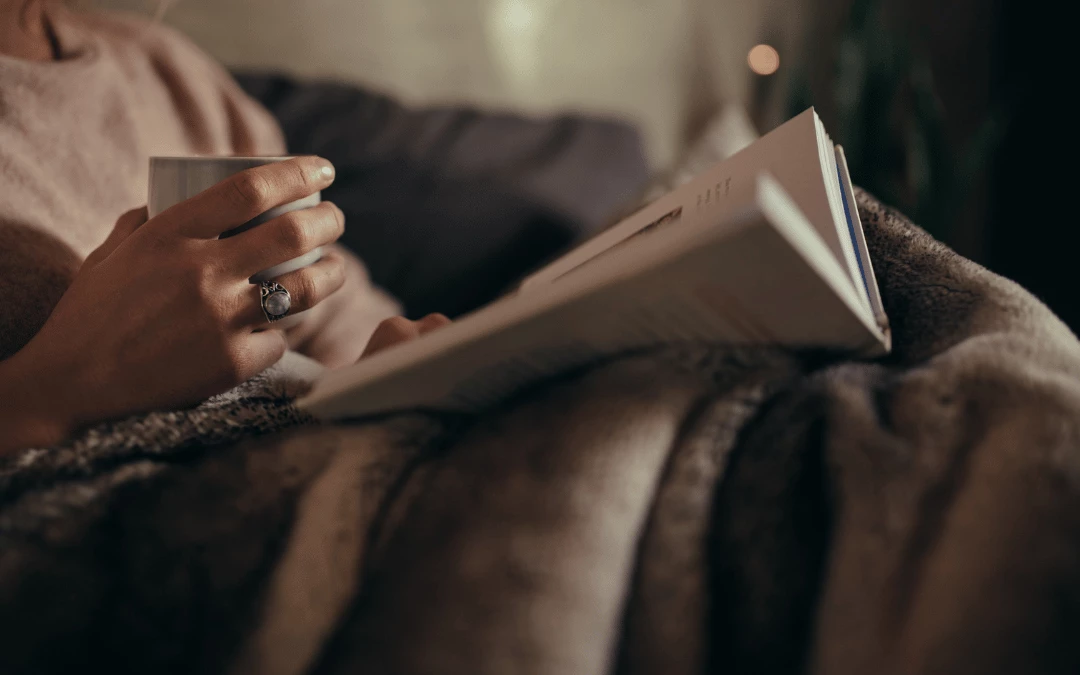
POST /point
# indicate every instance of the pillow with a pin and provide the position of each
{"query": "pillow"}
(450, 206)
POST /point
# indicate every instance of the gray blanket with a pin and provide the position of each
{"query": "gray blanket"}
(696, 509)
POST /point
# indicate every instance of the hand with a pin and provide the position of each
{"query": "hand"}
(334, 332)
(163, 315)
(399, 329)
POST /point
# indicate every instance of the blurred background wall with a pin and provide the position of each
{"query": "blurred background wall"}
(665, 64)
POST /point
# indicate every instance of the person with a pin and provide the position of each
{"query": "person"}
(108, 313)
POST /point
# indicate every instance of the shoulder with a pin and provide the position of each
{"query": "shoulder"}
(126, 31)
(132, 39)
(181, 65)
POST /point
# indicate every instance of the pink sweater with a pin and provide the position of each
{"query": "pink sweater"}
(75, 137)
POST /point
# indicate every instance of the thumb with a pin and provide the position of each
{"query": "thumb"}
(125, 226)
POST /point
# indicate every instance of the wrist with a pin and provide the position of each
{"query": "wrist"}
(32, 415)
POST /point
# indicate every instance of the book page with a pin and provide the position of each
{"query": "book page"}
(866, 267)
(766, 277)
(844, 228)
(791, 153)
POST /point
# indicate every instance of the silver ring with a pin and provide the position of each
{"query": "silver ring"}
(275, 300)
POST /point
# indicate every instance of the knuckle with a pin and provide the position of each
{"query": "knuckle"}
(231, 307)
(252, 190)
(294, 232)
(432, 322)
(336, 275)
(397, 327)
(204, 285)
(156, 241)
(306, 294)
(198, 281)
(300, 175)
(132, 220)
(337, 217)
(219, 311)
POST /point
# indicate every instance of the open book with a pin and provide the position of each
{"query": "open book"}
(764, 248)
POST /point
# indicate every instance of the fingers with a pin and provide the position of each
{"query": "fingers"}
(390, 332)
(261, 350)
(248, 194)
(286, 237)
(128, 223)
(431, 322)
(399, 329)
(125, 226)
(307, 288)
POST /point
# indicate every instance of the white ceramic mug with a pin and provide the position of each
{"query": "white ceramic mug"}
(175, 179)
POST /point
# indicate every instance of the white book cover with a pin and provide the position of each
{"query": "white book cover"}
(761, 274)
(798, 153)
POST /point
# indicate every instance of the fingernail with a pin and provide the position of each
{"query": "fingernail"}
(326, 171)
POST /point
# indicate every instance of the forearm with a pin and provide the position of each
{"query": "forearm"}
(31, 409)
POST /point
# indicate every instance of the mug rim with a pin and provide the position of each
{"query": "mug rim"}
(221, 158)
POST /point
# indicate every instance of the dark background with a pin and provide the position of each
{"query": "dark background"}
(962, 114)
(1031, 224)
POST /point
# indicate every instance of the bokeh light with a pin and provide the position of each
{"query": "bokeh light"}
(763, 59)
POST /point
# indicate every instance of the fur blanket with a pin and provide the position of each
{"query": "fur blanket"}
(698, 509)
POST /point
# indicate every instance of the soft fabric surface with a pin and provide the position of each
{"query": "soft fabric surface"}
(697, 509)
